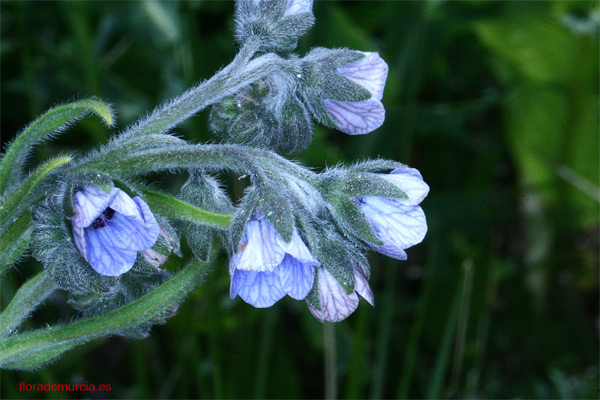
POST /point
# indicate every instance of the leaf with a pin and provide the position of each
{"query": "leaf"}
(20, 197)
(53, 121)
(32, 349)
(29, 296)
(172, 207)
(15, 241)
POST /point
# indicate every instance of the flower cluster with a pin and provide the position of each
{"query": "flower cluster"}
(294, 232)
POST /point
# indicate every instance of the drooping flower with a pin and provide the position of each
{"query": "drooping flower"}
(110, 229)
(399, 224)
(365, 116)
(265, 268)
(335, 303)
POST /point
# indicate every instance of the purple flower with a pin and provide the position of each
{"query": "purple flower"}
(109, 229)
(364, 116)
(335, 303)
(265, 268)
(399, 224)
(298, 6)
(293, 7)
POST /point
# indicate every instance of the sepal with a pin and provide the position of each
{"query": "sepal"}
(278, 211)
(204, 191)
(333, 253)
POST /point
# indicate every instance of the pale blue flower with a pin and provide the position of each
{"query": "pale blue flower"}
(110, 228)
(335, 303)
(293, 6)
(265, 268)
(365, 116)
(399, 224)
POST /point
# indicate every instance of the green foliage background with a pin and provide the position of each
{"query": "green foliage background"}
(496, 103)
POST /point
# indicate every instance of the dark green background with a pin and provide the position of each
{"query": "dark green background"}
(496, 103)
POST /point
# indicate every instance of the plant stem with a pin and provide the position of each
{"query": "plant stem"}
(330, 360)
(29, 296)
(241, 72)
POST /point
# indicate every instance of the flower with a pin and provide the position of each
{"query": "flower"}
(365, 116)
(398, 223)
(293, 6)
(109, 229)
(298, 6)
(335, 303)
(265, 268)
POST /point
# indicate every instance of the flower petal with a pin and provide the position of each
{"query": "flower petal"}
(298, 6)
(410, 181)
(356, 118)
(398, 225)
(260, 250)
(336, 304)
(362, 285)
(296, 277)
(297, 249)
(149, 230)
(109, 250)
(89, 202)
(370, 72)
(260, 289)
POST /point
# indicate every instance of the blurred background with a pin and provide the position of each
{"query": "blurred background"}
(496, 103)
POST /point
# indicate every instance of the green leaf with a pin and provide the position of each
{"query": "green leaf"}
(53, 121)
(172, 207)
(29, 296)
(539, 49)
(15, 241)
(32, 349)
(20, 198)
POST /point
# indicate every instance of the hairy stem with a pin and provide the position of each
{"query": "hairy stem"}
(241, 72)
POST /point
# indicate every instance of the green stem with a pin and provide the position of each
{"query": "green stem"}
(216, 157)
(330, 360)
(32, 349)
(443, 357)
(29, 296)
(238, 74)
(415, 334)
(172, 207)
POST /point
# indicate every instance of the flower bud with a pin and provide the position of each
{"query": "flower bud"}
(343, 89)
(275, 24)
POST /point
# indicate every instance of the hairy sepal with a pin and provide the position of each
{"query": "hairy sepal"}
(203, 191)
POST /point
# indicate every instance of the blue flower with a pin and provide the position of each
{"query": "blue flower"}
(109, 229)
(335, 303)
(265, 268)
(293, 6)
(365, 116)
(399, 224)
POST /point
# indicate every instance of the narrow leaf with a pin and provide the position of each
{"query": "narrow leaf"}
(32, 349)
(172, 207)
(14, 241)
(53, 121)
(29, 296)
(19, 199)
